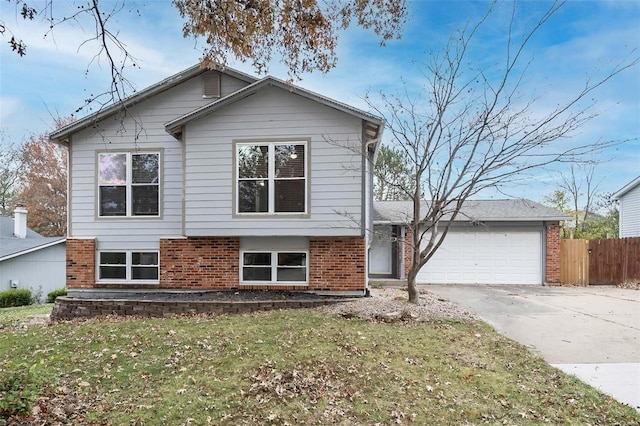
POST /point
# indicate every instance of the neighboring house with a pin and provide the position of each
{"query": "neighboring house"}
(217, 180)
(29, 260)
(490, 242)
(629, 198)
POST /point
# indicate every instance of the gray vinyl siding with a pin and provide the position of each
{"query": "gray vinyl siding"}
(271, 114)
(42, 271)
(630, 213)
(146, 121)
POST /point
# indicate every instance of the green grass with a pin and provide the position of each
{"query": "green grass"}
(10, 317)
(301, 367)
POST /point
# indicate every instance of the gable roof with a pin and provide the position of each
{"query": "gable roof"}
(628, 187)
(374, 126)
(62, 134)
(518, 210)
(11, 246)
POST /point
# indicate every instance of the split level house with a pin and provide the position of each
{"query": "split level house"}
(217, 180)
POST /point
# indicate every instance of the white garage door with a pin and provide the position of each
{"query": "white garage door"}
(486, 258)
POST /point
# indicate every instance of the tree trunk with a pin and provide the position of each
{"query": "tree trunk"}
(411, 285)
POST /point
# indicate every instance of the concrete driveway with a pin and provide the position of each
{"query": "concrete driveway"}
(590, 332)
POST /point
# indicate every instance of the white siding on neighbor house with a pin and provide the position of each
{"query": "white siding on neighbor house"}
(42, 271)
(335, 170)
(146, 120)
(630, 213)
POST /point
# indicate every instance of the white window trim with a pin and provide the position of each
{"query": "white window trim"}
(274, 268)
(271, 178)
(128, 185)
(128, 267)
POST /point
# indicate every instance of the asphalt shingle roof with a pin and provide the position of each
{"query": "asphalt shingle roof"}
(10, 245)
(478, 210)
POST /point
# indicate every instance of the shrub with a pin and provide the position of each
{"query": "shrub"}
(15, 297)
(51, 297)
(36, 295)
(19, 388)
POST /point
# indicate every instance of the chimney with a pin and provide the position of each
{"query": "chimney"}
(20, 222)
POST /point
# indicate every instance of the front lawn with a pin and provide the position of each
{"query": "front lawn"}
(10, 317)
(295, 367)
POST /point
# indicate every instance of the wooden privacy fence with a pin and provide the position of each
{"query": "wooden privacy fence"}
(574, 262)
(613, 261)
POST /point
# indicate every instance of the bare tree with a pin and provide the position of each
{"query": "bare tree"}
(472, 128)
(581, 186)
(304, 33)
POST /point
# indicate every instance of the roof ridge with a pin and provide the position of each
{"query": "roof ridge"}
(58, 135)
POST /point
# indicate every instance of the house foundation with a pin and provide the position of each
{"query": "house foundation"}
(336, 264)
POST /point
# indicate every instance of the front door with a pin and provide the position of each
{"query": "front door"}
(383, 252)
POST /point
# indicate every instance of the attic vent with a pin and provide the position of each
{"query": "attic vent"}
(211, 85)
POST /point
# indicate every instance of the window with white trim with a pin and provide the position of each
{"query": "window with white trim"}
(128, 184)
(128, 266)
(271, 177)
(283, 267)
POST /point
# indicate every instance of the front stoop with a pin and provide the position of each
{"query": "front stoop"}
(387, 282)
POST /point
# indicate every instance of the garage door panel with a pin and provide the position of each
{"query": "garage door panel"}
(486, 258)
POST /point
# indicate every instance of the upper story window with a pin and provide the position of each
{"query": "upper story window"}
(271, 177)
(128, 184)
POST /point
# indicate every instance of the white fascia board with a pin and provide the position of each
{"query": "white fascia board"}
(628, 187)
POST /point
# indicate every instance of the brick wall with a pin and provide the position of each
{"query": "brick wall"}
(81, 263)
(212, 263)
(552, 273)
(337, 263)
(201, 263)
(408, 250)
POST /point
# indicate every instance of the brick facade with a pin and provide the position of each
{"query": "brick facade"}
(213, 263)
(337, 263)
(81, 263)
(552, 272)
(203, 263)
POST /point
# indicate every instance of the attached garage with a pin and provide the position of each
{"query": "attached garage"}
(486, 257)
(491, 242)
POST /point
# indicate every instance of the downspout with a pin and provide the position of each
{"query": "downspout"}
(543, 246)
(369, 159)
(403, 235)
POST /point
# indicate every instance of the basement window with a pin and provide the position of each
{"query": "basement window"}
(274, 268)
(134, 266)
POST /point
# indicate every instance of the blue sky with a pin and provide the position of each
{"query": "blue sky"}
(585, 38)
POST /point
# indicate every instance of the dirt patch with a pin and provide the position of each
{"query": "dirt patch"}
(390, 304)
